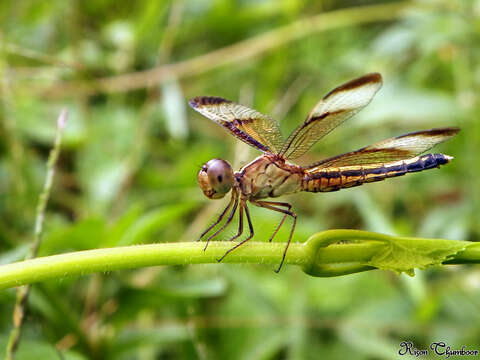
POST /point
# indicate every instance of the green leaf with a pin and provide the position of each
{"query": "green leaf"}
(131, 340)
(173, 102)
(193, 288)
(15, 254)
(30, 349)
(117, 229)
(85, 234)
(404, 254)
(341, 252)
(153, 221)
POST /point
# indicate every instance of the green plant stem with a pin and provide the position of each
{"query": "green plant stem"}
(321, 255)
(136, 256)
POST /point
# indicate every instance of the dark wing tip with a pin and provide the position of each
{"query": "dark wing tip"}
(199, 101)
(447, 132)
(453, 130)
(372, 78)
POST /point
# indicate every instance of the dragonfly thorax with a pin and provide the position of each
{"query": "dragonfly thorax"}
(216, 178)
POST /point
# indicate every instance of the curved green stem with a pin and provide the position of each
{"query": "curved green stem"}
(136, 256)
(329, 253)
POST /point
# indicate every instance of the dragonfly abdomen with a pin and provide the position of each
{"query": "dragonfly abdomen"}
(332, 179)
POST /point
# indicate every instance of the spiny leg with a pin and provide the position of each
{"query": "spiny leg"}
(220, 217)
(266, 205)
(285, 204)
(240, 222)
(229, 220)
(250, 226)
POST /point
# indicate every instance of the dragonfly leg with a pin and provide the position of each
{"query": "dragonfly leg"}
(220, 217)
(283, 204)
(240, 222)
(229, 220)
(250, 226)
(270, 205)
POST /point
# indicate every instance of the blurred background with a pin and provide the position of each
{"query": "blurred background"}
(132, 149)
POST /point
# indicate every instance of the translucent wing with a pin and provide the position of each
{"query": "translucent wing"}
(394, 149)
(250, 126)
(337, 106)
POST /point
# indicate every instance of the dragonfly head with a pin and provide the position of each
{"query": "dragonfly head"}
(216, 178)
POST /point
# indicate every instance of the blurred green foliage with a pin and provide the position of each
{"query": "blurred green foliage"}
(127, 175)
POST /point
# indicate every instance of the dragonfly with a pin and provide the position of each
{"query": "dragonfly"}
(272, 174)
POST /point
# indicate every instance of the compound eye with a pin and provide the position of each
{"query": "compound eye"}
(220, 175)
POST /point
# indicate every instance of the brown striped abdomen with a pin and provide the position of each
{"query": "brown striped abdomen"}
(332, 179)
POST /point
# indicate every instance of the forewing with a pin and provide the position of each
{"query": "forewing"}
(394, 149)
(337, 106)
(250, 126)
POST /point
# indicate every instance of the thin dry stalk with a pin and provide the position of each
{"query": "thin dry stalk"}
(235, 53)
(23, 291)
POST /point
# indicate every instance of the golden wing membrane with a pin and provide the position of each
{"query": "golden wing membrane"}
(337, 106)
(248, 125)
(390, 150)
